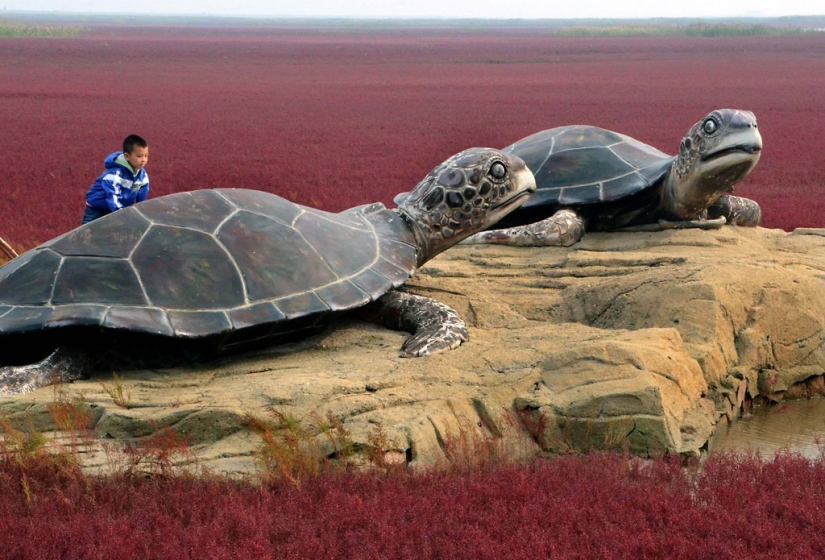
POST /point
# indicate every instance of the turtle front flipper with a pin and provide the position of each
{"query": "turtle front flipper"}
(436, 327)
(562, 229)
(736, 210)
(63, 365)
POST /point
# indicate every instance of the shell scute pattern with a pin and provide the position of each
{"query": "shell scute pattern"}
(344, 248)
(395, 274)
(170, 261)
(25, 319)
(208, 262)
(638, 154)
(271, 207)
(581, 137)
(619, 188)
(396, 251)
(257, 314)
(110, 238)
(586, 164)
(78, 314)
(30, 281)
(371, 282)
(267, 253)
(142, 319)
(301, 305)
(97, 280)
(198, 210)
(656, 171)
(193, 324)
(342, 295)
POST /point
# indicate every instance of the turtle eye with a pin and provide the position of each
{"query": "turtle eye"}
(497, 170)
(710, 126)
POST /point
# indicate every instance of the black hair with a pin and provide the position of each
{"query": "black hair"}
(131, 141)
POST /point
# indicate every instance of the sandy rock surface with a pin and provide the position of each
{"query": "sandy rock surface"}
(648, 338)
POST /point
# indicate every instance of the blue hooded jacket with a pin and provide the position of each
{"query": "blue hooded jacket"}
(118, 186)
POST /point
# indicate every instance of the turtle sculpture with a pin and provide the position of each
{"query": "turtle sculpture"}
(194, 275)
(594, 179)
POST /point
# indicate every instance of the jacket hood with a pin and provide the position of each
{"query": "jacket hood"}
(116, 159)
(111, 159)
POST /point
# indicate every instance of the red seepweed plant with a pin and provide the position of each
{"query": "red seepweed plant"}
(604, 505)
(162, 453)
(332, 113)
(574, 506)
(310, 501)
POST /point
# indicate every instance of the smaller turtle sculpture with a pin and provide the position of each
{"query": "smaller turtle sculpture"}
(190, 276)
(593, 179)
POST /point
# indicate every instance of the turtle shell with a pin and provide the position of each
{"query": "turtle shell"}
(226, 265)
(578, 165)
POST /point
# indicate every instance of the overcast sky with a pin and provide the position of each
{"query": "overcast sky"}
(434, 8)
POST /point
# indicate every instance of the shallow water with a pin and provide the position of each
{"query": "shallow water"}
(796, 426)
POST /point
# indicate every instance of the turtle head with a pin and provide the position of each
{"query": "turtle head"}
(466, 194)
(717, 152)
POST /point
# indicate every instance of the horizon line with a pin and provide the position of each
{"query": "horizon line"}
(395, 17)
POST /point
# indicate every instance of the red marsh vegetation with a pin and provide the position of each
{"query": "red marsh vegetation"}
(335, 118)
(596, 506)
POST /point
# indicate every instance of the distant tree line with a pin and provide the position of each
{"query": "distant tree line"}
(691, 30)
(72, 25)
(13, 28)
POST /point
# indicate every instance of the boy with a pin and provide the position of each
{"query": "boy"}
(123, 183)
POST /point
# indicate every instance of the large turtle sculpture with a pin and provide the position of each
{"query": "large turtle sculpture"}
(595, 179)
(194, 275)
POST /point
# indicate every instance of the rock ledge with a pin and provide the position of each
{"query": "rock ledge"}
(648, 338)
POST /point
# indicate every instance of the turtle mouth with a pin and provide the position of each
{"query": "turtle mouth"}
(513, 202)
(516, 199)
(750, 149)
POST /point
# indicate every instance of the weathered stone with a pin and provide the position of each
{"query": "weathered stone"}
(644, 338)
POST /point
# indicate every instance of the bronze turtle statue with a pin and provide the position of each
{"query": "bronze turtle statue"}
(593, 179)
(195, 275)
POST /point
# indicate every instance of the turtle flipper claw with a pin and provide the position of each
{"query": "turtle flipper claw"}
(737, 211)
(436, 327)
(429, 341)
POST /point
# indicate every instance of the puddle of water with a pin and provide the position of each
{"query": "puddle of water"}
(795, 426)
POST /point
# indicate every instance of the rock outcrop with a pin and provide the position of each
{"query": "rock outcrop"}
(643, 339)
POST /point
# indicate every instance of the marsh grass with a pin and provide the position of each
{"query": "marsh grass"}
(605, 505)
(118, 391)
(297, 451)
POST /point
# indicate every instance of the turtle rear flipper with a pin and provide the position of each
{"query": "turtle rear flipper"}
(436, 327)
(63, 365)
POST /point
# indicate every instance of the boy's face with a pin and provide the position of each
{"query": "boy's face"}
(138, 157)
